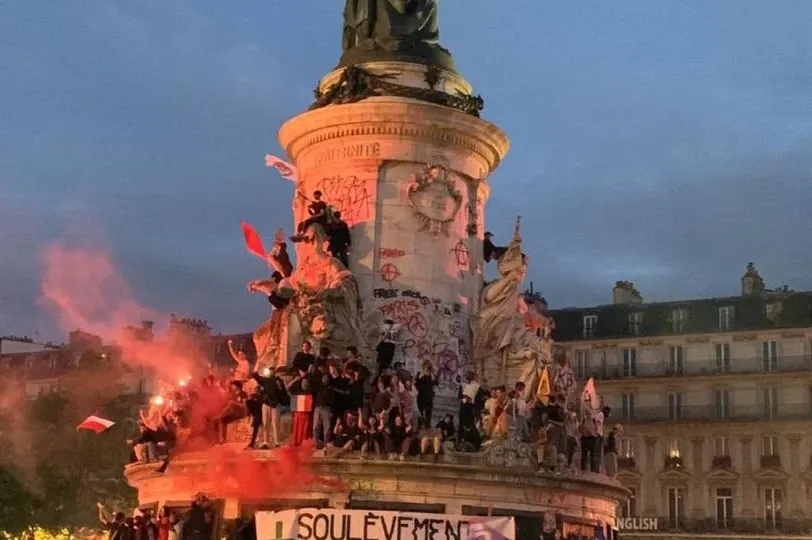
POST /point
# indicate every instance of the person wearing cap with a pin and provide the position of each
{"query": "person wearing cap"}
(490, 252)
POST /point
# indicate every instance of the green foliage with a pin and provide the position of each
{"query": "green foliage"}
(55, 474)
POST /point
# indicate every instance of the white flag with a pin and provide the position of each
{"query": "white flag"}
(286, 170)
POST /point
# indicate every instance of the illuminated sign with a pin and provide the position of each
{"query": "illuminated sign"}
(638, 524)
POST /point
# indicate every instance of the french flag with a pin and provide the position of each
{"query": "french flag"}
(96, 424)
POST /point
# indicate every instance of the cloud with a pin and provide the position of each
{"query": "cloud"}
(660, 142)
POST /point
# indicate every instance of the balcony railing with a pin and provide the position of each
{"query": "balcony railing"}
(626, 463)
(771, 461)
(673, 462)
(735, 525)
(710, 413)
(702, 366)
(721, 462)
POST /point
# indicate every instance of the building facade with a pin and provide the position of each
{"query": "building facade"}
(715, 398)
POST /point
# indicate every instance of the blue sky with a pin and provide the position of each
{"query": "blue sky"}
(667, 143)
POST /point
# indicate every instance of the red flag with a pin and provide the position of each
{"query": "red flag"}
(252, 240)
(96, 424)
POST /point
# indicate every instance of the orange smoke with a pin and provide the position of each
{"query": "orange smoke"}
(86, 291)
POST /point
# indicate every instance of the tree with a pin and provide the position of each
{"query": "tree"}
(72, 470)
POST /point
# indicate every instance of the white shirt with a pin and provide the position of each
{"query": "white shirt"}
(470, 389)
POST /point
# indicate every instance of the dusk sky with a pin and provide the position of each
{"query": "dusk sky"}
(663, 142)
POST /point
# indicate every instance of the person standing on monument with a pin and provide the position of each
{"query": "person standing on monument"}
(426, 381)
(339, 238)
(302, 402)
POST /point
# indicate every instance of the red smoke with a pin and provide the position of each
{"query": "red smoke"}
(236, 474)
(86, 291)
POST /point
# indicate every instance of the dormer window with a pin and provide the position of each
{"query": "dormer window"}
(590, 322)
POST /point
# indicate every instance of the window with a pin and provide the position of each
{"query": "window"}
(676, 507)
(723, 357)
(629, 362)
(726, 314)
(590, 322)
(30, 362)
(769, 445)
(675, 360)
(636, 323)
(675, 406)
(629, 509)
(678, 318)
(626, 447)
(53, 361)
(772, 311)
(769, 402)
(721, 404)
(673, 448)
(582, 364)
(721, 446)
(772, 507)
(724, 507)
(627, 406)
(769, 355)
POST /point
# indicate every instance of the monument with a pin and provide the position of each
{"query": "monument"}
(394, 146)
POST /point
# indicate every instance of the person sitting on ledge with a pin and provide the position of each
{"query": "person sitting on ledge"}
(398, 438)
(372, 437)
(317, 212)
(445, 431)
(346, 435)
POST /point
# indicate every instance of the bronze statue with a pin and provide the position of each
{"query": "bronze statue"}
(392, 30)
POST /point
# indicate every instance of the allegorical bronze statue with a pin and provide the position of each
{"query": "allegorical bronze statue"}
(406, 30)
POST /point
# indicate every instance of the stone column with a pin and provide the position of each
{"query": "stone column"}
(749, 496)
(699, 493)
(795, 485)
(650, 496)
(416, 233)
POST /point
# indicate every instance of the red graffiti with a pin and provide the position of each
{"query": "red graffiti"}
(461, 253)
(389, 272)
(400, 311)
(417, 326)
(390, 253)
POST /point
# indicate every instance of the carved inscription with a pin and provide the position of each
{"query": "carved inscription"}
(352, 151)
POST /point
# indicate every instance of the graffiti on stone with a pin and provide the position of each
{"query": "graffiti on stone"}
(391, 253)
(349, 195)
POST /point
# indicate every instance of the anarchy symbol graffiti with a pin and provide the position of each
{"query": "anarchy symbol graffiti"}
(389, 272)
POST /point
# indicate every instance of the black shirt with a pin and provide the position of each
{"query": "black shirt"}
(446, 429)
(339, 237)
(273, 390)
(302, 361)
(316, 207)
(425, 388)
(323, 394)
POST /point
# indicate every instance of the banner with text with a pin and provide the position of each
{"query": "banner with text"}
(326, 524)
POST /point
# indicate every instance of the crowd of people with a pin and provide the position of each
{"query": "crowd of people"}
(196, 523)
(336, 402)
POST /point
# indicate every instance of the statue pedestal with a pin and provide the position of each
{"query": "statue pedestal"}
(416, 235)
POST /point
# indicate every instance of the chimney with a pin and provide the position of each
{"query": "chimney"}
(751, 281)
(625, 293)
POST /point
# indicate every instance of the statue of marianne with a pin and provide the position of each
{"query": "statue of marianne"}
(390, 24)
